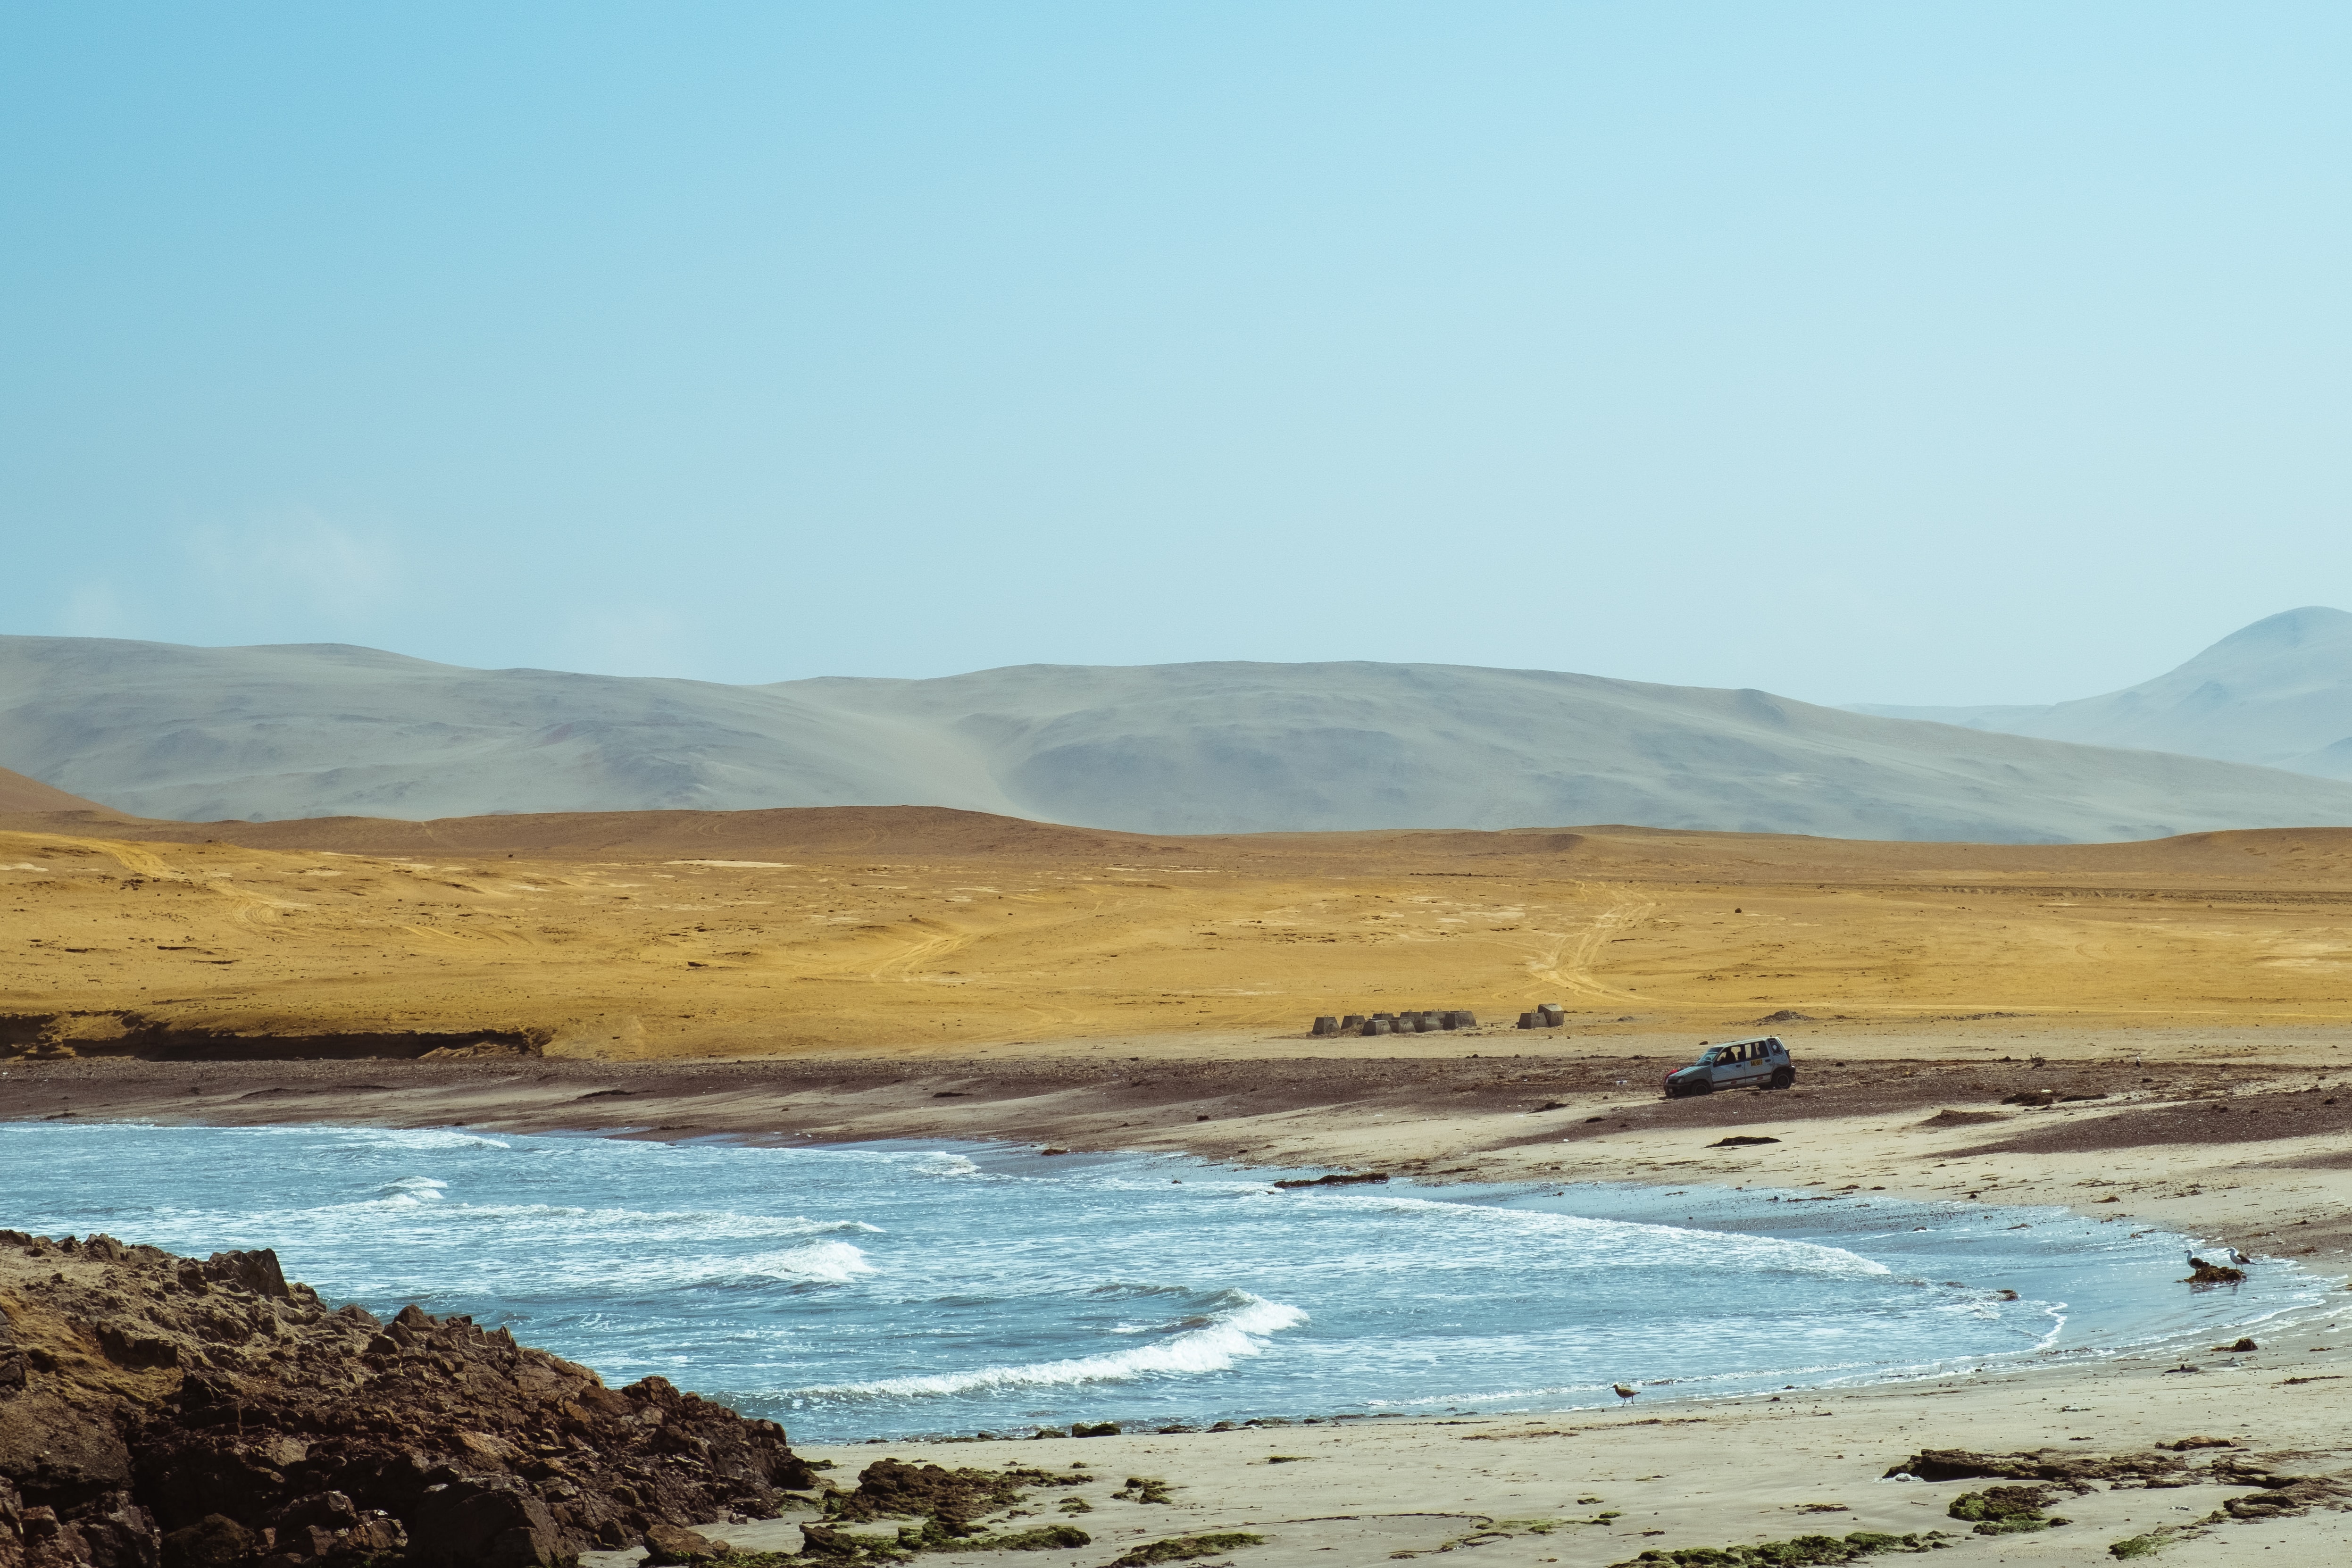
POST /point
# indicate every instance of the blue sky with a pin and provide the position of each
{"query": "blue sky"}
(1920, 352)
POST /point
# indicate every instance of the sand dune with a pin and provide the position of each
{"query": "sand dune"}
(2277, 693)
(197, 734)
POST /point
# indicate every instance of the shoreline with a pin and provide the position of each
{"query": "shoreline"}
(1975, 1368)
(2264, 1172)
(2247, 1153)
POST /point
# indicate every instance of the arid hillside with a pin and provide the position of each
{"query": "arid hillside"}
(21, 796)
(891, 929)
(309, 730)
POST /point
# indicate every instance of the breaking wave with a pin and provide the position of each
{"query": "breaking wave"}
(888, 1288)
(1212, 1343)
(1627, 1243)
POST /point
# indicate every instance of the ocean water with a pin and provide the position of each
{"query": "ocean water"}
(898, 1290)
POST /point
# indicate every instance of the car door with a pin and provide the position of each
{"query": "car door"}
(1729, 1071)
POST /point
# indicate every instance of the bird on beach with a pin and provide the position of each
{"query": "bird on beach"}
(1624, 1391)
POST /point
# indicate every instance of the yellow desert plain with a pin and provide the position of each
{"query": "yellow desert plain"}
(2177, 1007)
(913, 930)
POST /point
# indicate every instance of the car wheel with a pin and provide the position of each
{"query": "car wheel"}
(1783, 1077)
(1703, 1086)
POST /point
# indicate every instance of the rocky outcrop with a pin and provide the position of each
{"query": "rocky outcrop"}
(2281, 1491)
(166, 1412)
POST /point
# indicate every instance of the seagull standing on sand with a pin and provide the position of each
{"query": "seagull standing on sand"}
(1624, 1391)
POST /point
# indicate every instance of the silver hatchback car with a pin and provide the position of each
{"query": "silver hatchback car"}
(1761, 1063)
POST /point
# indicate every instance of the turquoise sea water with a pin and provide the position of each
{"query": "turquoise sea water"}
(895, 1290)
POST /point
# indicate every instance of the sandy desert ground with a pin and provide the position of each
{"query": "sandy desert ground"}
(858, 974)
(915, 930)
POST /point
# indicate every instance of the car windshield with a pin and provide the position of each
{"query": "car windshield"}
(1706, 1059)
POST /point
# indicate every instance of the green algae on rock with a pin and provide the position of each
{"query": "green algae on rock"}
(2006, 1511)
(1184, 1548)
(1802, 1552)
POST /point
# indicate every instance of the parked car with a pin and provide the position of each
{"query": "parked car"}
(1761, 1063)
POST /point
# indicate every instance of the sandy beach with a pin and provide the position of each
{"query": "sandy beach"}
(2149, 1036)
(2154, 1151)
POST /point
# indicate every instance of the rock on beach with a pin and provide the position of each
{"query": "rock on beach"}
(167, 1412)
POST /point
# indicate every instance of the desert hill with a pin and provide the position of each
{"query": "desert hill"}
(2277, 693)
(872, 830)
(1614, 851)
(204, 734)
(19, 796)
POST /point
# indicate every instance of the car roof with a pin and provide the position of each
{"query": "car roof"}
(1752, 1040)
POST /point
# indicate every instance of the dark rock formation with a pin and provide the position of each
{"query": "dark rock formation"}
(164, 1411)
(666, 1544)
(889, 1487)
(2281, 1492)
(2076, 1472)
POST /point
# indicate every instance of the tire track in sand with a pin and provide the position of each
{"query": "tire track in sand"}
(922, 951)
(1570, 963)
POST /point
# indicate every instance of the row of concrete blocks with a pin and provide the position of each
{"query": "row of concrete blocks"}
(1546, 1015)
(1395, 1022)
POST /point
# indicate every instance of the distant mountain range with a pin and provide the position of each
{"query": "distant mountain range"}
(2278, 694)
(202, 734)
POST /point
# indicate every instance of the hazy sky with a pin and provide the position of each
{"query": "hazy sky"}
(1900, 353)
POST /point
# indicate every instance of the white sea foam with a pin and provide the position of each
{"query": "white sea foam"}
(821, 1262)
(426, 1138)
(560, 1220)
(1630, 1243)
(1223, 1339)
(653, 1257)
(412, 1190)
(817, 1262)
